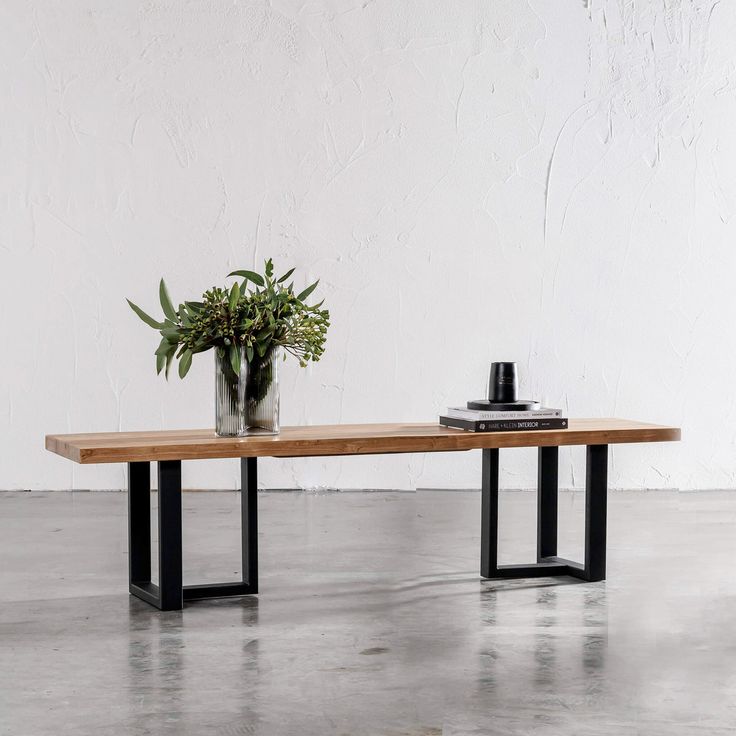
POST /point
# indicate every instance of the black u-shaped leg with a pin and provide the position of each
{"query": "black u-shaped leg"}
(167, 595)
(248, 541)
(548, 563)
(170, 593)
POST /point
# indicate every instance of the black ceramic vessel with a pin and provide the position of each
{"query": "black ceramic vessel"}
(503, 387)
(503, 384)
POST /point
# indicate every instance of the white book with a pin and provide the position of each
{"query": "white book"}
(458, 412)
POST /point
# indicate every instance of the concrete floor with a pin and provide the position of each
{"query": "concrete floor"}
(372, 620)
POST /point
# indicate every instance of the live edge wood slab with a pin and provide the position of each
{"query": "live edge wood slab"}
(340, 439)
(169, 448)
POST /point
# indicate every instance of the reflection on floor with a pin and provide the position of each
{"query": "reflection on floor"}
(372, 621)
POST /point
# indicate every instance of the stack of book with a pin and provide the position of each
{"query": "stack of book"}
(502, 421)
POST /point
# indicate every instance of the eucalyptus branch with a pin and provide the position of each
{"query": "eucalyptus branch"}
(253, 317)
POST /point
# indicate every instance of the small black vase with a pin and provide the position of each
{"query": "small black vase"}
(503, 384)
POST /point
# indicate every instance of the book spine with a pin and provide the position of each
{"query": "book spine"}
(505, 426)
(473, 415)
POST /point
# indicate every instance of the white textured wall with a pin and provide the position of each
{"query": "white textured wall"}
(551, 182)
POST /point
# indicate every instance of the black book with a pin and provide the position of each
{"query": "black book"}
(504, 425)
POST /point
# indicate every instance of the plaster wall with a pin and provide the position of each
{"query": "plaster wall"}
(550, 182)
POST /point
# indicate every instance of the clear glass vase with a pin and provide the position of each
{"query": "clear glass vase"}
(247, 402)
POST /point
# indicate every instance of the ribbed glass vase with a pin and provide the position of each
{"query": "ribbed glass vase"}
(262, 394)
(230, 395)
(247, 402)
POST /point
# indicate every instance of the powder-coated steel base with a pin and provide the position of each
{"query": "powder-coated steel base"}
(548, 563)
(170, 593)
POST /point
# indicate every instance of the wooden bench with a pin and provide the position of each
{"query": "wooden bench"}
(169, 448)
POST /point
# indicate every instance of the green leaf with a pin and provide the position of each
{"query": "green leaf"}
(250, 275)
(165, 299)
(163, 347)
(249, 353)
(150, 321)
(195, 306)
(160, 362)
(301, 297)
(169, 359)
(286, 276)
(269, 268)
(234, 296)
(185, 363)
(184, 315)
(235, 359)
(171, 334)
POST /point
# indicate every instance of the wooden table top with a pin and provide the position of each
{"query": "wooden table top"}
(340, 439)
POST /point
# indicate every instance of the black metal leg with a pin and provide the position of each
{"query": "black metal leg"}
(139, 522)
(248, 584)
(489, 567)
(170, 594)
(548, 563)
(489, 514)
(169, 535)
(167, 595)
(596, 491)
(249, 521)
(547, 503)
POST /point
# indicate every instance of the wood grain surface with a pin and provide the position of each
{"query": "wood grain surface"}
(340, 439)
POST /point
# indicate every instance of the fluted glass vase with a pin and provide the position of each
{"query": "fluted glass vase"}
(247, 402)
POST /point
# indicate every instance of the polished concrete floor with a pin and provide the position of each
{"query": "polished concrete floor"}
(372, 621)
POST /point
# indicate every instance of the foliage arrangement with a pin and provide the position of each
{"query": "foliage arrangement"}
(250, 319)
